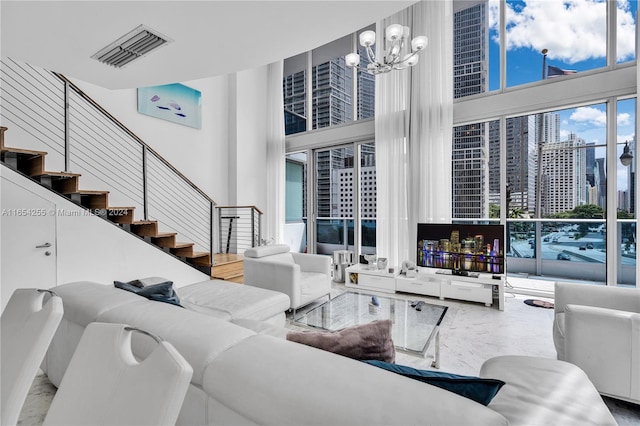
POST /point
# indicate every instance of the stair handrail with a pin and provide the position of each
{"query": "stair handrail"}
(132, 134)
(241, 207)
(255, 225)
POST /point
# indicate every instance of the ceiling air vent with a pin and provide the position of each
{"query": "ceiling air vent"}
(131, 46)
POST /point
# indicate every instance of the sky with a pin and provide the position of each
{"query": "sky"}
(574, 32)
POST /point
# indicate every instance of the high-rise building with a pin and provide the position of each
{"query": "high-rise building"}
(470, 41)
(293, 90)
(547, 127)
(470, 171)
(564, 183)
(332, 97)
(345, 195)
(590, 155)
(601, 183)
(630, 199)
(366, 89)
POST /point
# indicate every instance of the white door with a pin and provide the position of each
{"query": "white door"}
(28, 234)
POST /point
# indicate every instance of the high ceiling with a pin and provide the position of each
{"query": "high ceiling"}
(210, 37)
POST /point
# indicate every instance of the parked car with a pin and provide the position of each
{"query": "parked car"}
(555, 240)
(545, 239)
(563, 256)
(590, 246)
(582, 247)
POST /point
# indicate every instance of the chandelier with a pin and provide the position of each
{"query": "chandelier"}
(397, 55)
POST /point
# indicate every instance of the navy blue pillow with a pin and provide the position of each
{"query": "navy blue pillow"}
(476, 388)
(162, 292)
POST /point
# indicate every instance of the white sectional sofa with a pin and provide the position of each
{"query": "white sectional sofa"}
(243, 376)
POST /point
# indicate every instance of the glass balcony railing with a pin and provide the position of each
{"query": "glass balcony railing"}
(336, 233)
(570, 249)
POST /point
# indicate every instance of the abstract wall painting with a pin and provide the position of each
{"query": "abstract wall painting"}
(172, 102)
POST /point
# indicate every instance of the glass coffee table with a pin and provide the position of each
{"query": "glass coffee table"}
(412, 330)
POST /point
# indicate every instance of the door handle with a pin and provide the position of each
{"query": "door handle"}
(45, 245)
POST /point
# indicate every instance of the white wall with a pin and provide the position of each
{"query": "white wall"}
(200, 154)
(226, 157)
(89, 248)
(248, 137)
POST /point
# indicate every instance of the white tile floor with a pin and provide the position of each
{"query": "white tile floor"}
(470, 334)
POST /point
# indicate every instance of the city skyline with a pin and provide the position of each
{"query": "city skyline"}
(532, 26)
(475, 173)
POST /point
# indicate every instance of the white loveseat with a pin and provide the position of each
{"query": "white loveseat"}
(245, 377)
(301, 276)
(597, 328)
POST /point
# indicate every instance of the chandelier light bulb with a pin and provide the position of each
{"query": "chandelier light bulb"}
(406, 32)
(394, 32)
(419, 43)
(367, 38)
(412, 60)
(352, 59)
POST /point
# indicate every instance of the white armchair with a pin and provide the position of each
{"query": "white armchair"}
(597, 328)
(303, 277)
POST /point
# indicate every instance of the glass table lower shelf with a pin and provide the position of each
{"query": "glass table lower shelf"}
(412, 331)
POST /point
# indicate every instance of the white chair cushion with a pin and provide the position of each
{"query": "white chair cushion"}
(227, 300)
(269, 250)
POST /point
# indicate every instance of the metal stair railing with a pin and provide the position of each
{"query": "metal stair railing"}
(47, 112)
(240, 228)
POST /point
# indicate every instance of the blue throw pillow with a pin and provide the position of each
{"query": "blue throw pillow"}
(161, 292)
(476, 388)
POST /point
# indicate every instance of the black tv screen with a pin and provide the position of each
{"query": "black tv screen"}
(461, 248)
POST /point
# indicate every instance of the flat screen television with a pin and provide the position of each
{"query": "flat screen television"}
(461, 248)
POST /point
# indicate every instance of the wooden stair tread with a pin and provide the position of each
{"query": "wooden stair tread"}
(228, 267)
(144, 222)
(183, 245)
(88, 192)
(202, 258)
(165, 234)
(59, 174)
(120, 208)
(226, 276)
(199, 254)
(23, 151)
(225, 259)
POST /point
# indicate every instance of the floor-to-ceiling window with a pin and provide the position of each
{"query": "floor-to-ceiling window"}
(570, 201)
(296, 201)
(541, 119)
(326, 106)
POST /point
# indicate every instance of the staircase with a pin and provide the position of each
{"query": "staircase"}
(32, 164)
(228, 267)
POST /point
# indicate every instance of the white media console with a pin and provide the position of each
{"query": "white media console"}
(439, 283)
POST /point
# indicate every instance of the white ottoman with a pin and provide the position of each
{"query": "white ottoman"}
(231, 301)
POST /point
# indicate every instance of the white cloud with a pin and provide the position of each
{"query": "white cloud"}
(572, 30)
(597, 117)
(624, 119)
(625, 138)
(590, 115)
